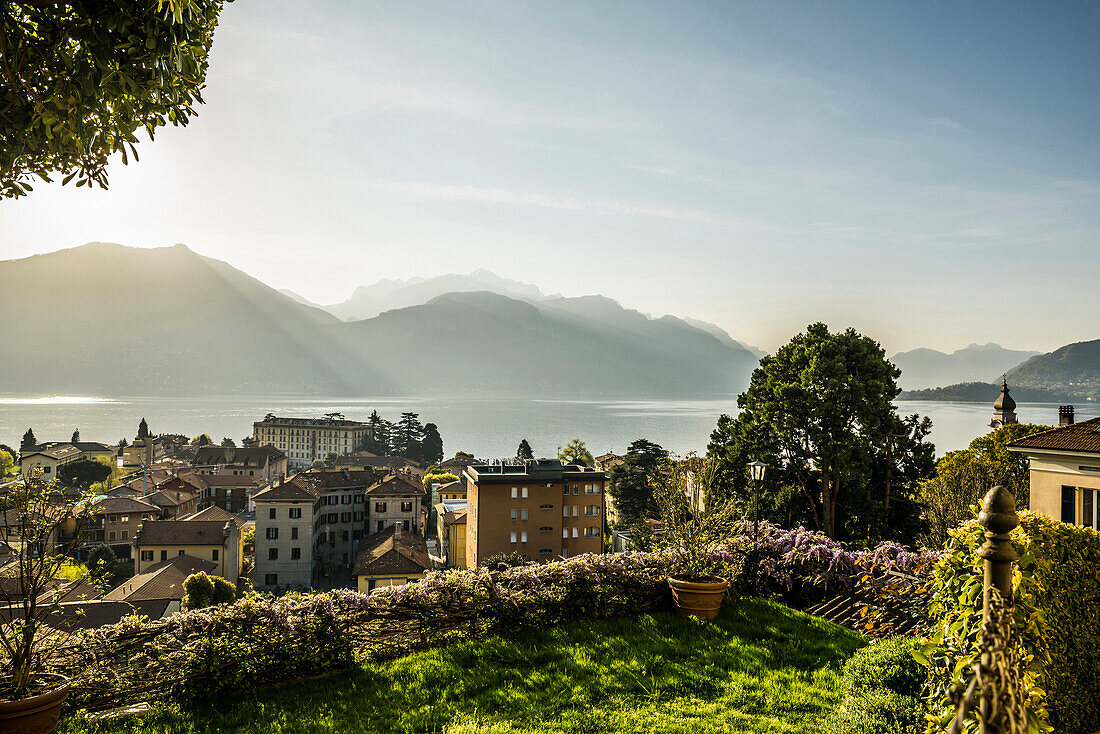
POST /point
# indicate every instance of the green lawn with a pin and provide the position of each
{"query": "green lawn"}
(761, 667)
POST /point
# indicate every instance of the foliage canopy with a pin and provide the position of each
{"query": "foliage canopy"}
(79, 79)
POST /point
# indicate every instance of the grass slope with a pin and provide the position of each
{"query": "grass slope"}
(761, 668)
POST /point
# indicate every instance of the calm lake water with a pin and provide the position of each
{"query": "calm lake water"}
(485, 427)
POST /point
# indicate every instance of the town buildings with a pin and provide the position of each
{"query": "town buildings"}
(264, 462)
(1065, 469)
(451, 532)
(541, 509)
(121, 519)
(1004, 408)
(49, 457)
(346, 506)
(209, 540)
(391, 557)
(306, 440)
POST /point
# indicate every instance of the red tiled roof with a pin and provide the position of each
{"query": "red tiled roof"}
(1083, 437)
(181, 532)
(163, 580)
(388, 552)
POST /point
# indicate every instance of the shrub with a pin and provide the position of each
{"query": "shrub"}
(1056, 594)
(876, 711)
(887, 664)
(500, 561)
(202, 590)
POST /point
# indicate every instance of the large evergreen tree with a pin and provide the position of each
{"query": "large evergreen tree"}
(143, 430)
(29, 441)
(523, 451)
(629, 483)
(820, 413)
(431, 445)
(76, 436)
(410, 434)
(377, 440)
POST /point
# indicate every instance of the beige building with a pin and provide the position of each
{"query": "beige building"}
(392, 557)
(208, 540)
(284, 536)
(1065, 470)
(48, 458)
(121, 519)
(264, 462)
(306, 440)
(541, 509)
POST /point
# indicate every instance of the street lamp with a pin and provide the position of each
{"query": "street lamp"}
(756, 470)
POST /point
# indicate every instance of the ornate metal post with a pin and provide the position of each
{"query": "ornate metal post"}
(998, 517)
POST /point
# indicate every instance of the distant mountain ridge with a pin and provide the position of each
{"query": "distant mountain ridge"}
(107, 319)
(1074, 368)
(985, 392)
(977, 363)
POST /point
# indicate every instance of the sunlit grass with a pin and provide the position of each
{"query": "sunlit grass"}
(761, 668)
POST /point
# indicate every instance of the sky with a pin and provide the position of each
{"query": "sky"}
(928, 173)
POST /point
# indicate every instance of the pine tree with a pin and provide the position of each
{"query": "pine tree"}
(143, 430)
(377, 440)
(76, 436)
(410, 433)
(29, 441)
(432, 444)
(524, 451)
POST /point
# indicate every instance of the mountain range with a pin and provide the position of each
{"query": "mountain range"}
(927, 368)
(108, 319)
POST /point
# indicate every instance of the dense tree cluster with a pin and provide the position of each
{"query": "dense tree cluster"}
(630, 483)
(576, 452)
(820, 413)
(407, 438)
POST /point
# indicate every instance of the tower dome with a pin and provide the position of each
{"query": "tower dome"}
(1004, 407)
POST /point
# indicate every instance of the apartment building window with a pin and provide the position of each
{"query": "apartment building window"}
(345, 499)
(1088, 508)
(357, 499)
(273, 533)
(545, 529)
(546, 507)
(214, 555)
(565, 511)
(545, 551)
(294, 533)
(333, 518)
(513, 535)
(114, 518)
(565, 489)
(515, 515)
(523, 514)
(576, 510)
(591, 510)
(111, 534)
(379, 506)
(125, 534)
(272, 554)
(147, 556)
(565, 532)
(164, 555)
(591, 489)
(406, 506)
(343, 535)
(295, 554)
(345, 517)
(591, 532)
(271, 513)
(295, 513)
(575, 532)
(271, 579)
(381, 526)
(523, 492)
(523, 536)
(576, 489)
(515, 492)
(125, 518)
(359, 516)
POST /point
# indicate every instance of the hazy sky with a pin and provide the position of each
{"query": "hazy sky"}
(927, 172)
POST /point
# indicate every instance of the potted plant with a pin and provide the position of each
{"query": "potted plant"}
(42, 523)
(693, 526)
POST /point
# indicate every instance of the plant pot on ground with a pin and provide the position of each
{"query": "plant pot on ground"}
(693, 529)
(44, 523)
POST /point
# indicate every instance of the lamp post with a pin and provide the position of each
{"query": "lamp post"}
(756, 470)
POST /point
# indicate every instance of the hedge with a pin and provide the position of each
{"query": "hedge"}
(1056, 594)
(882, 683)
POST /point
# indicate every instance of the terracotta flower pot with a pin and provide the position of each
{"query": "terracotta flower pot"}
(37, 714)
(698, 598)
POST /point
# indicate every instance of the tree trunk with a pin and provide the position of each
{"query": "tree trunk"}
(828, 503)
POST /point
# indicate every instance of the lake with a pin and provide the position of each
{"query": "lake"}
(486, 427)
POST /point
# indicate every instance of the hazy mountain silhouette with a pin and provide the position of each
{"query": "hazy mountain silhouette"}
(114, 320)
(386, 295)
(108, 319)
(488, 343)
(926, 368)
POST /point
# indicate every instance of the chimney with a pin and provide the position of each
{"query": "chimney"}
(397, 530)
(1065, 415)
